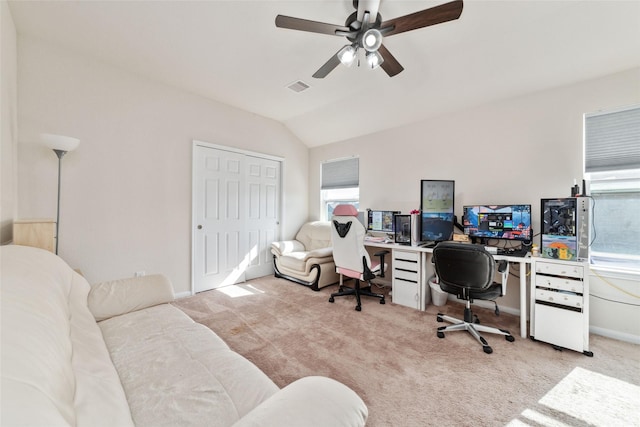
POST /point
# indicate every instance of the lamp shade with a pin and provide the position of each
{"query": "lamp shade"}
(59, 142)
(347, 55)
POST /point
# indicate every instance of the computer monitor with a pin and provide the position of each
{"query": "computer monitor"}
(436, 207)
(509, 222)
(380, 221)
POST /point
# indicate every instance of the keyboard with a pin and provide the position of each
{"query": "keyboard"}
(513, 252)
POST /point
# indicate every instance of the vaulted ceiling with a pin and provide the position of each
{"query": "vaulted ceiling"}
(232, 52)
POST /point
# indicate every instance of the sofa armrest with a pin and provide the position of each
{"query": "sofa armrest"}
(309, 401)
(286, 246)
(116, 297)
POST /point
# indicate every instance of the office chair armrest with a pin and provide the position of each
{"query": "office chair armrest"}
(383, 266)
(503, 269)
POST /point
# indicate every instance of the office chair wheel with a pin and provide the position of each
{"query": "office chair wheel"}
(382, 301)
(476, 319)
(439, 318)
(509, 338)
(440, 334)
(487, 349)
(331, 299)
(358, 308)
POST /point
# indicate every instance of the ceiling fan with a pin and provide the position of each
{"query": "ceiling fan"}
(365, 30)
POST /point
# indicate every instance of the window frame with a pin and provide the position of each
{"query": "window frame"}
(341, 188)
(611, 180)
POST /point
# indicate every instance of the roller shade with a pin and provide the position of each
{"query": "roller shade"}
(612, 140)
(343, 173)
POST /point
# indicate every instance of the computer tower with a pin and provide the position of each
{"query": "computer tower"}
(566, 225)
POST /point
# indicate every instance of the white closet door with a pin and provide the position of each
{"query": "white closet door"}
(263, 213)
(236, 216)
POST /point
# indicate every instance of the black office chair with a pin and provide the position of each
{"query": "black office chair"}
(467, 270)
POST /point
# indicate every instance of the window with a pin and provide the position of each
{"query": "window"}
(612, 166)
(339, 185)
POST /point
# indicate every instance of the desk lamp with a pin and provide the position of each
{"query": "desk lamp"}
(60, 145)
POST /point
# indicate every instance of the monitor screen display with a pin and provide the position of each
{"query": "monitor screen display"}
(512, 222)
(381, 221)
(436, 207)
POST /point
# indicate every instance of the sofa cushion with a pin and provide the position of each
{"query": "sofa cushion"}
(178, 372)
(55, 367)
(315, 234)
(115, 297)
(302, 261)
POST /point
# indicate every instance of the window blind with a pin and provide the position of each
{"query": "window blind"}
(612, 140)
(343, 173)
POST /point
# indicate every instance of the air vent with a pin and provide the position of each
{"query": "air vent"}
(298, 86)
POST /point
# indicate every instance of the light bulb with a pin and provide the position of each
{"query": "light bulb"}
(347, 55)
(374, 59)
(371, 40)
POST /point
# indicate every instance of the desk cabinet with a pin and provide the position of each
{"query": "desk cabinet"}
(560, 302)
(407, 274)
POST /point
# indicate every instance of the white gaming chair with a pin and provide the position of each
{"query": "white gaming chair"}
(350, 256)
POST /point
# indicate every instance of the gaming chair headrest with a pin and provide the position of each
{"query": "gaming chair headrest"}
(345, 210)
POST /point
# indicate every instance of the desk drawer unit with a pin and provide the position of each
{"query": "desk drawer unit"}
(559, 301)
(406, 278)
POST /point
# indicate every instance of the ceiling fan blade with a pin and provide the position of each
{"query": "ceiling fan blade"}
(432, 16)
(390, 65)
(328, 67)
(310, 26)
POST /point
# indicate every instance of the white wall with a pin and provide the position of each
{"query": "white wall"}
(126, 191)
(8, 123)
(514, 151)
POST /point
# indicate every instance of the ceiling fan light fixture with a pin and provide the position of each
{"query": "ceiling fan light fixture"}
(371, 40)
(347, 55)
(374, 60)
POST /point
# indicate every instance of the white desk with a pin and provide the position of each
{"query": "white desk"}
(521, 261)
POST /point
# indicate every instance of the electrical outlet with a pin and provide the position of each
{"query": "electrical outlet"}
(139, 273)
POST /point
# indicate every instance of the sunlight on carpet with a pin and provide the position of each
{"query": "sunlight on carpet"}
(585, 398)
(235, 291)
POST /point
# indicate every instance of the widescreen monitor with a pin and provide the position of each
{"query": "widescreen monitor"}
(436, 207)
(510, 222)
(380, 221)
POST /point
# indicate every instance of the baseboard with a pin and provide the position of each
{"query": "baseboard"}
(183, 295)
(620, 336)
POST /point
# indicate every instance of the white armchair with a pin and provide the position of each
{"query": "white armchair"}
(308, 259)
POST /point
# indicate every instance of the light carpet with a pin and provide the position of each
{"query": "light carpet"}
(390, 355)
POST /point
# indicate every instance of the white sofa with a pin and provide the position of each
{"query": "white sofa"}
(308, 259)
(117, 354)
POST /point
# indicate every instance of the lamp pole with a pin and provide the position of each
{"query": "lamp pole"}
(60, 145)
(60, 154)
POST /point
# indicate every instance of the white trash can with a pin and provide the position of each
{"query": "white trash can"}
(438, 296)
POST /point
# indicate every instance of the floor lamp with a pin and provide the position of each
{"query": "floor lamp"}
(61, 145)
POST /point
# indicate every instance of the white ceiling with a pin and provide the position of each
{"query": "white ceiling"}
(231, 51)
